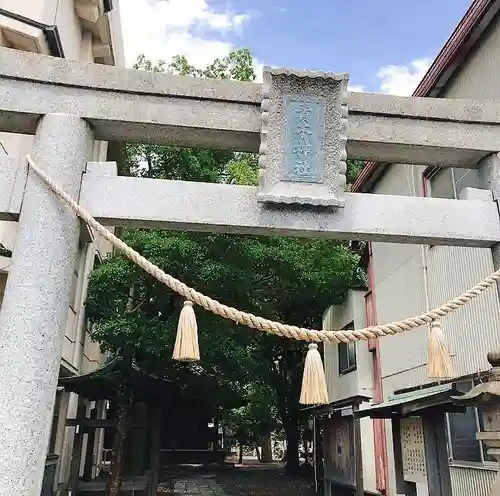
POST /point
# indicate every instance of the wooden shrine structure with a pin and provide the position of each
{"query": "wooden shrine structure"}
(166, 426)
(151, 395)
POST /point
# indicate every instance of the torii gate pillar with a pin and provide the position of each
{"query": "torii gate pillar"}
(35, 304)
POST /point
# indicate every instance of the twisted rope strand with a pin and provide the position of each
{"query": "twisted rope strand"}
(253, 321)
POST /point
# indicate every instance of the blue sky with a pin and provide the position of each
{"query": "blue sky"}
(385, 45)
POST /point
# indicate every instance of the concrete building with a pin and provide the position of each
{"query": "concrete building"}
(406, 280)
(87, 31)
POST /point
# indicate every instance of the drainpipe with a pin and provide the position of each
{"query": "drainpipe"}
(379, 434)
(51, 32)
(424, 250)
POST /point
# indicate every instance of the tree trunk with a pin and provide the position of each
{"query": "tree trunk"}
(292, 446)
(267, 450)
(240, 457)
(258, 452)
(123, 400)
(114, 485)
(216, 434)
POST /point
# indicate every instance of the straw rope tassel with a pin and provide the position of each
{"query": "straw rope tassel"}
(186, 347)
(314, 391)
(439, 364)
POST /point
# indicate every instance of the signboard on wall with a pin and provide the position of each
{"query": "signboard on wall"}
(339, 449)
(412, 446)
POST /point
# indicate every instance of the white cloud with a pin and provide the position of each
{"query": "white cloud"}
(163, 28)
(403, 79)
(356, 88)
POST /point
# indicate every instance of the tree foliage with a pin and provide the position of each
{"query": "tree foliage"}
(286, 279)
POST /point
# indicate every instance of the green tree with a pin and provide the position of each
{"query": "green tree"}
(286, 279)
(354, 167)
(253, 422)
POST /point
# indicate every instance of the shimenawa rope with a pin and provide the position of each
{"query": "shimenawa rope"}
(253, 321)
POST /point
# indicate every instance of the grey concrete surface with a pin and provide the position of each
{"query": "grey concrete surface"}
(235, 209)
(35, 304)
(131, 105)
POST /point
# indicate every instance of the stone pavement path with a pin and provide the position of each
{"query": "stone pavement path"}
(204, 485)
(263, 480)
(252, 479)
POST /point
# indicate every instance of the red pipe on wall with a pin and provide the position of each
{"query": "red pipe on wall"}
(379, 435)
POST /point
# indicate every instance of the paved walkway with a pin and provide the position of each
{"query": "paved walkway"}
(249, 479)
(204, 485)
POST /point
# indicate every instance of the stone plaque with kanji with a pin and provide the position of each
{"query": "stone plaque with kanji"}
(303, 142)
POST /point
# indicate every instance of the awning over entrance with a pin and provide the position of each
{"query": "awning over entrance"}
(343, 406)
(414, 403)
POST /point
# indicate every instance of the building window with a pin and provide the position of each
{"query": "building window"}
(462, 429)
(347, 354)
(449, 182)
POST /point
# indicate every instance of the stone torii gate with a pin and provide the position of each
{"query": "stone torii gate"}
(303, 124)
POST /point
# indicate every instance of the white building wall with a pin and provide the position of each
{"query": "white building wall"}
(399, 269)
(69, 27)
(37, 10)
(478, 75)
(117, 34)
(79, 354)
(368, 450)
(473, 330)
(399, 278)
(359, 381)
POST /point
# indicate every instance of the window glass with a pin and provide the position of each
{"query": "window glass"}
(464, 445)
(347, 354)
(466, 178)
(441, 184)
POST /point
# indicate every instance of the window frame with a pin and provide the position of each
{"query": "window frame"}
(430, 174)
(351, 367)
(481, 447)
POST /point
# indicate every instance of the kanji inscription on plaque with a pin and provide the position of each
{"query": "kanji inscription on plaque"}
(413, 450)
(303, 138)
